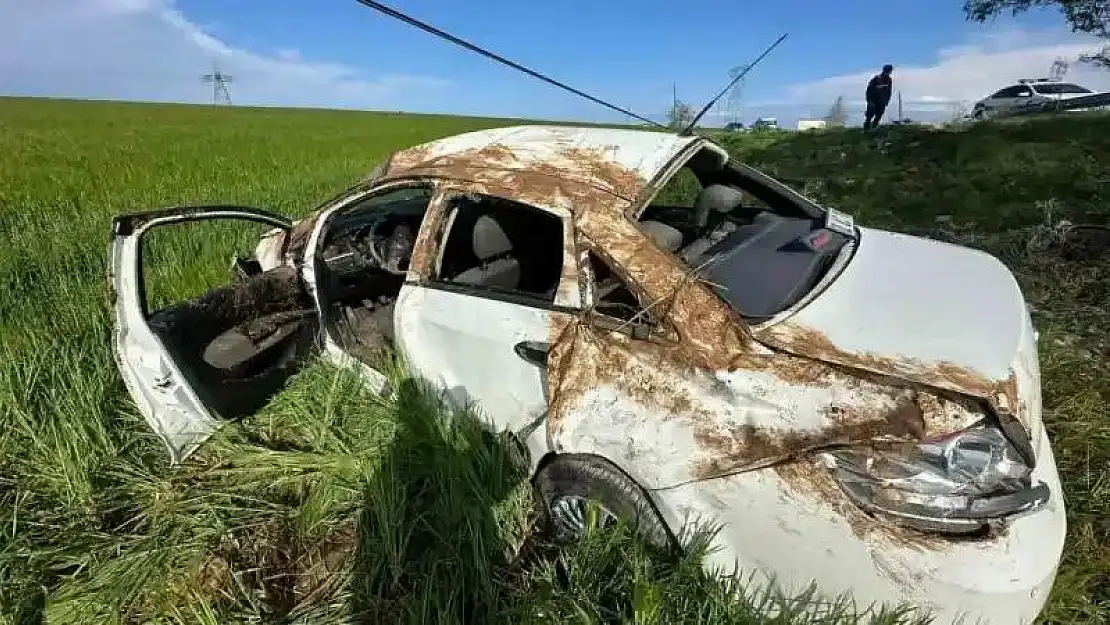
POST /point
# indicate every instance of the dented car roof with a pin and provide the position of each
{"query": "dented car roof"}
(618, 161)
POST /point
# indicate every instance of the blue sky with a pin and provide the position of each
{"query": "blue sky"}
(337, 53)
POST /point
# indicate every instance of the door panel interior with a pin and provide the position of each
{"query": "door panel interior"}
(223, 354)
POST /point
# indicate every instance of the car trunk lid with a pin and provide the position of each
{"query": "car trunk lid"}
(919, 310)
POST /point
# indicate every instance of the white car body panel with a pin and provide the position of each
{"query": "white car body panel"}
(645, 153)
(167, 403)
(945, 293)
(926, 285)
(664, 448)
(762, 517)
(268, 250)
(464, 346)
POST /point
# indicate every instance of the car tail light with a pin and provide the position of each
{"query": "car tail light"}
(955, 483)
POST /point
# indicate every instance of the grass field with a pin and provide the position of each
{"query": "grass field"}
(333, 506)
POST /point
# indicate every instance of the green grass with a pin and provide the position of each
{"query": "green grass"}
(334, 506)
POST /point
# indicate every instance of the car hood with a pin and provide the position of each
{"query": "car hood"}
(921, 310)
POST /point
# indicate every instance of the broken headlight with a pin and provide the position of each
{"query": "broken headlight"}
(954, 483)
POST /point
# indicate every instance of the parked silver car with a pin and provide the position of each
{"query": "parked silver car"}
(1028, 94)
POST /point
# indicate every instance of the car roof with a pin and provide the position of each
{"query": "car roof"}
(1035, 84)
(618, 161)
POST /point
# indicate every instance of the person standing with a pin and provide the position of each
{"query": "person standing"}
(878, 96)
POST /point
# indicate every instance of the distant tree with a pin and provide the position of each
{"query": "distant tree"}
(680, 115)
(1083, 16)
(838, 114)
(1091, 17)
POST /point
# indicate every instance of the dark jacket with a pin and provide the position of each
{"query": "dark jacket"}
(878, 90)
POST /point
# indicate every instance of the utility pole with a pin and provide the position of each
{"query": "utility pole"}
(219, 82)
(900, 117)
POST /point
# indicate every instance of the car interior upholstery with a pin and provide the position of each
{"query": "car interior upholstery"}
(494, 266)
(238, 344)
(503, 245)
(666, 237)
(491, 244)
(760, 260)
(361, 286)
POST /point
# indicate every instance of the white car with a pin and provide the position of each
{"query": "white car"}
(854, 407)
(1031, 94)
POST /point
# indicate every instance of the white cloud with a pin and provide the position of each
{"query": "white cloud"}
(966, 72)
(149, 50)
(289, 54)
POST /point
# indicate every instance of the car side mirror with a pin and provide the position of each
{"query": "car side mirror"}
(533, 352)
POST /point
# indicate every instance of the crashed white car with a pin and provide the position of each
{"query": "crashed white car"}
(852, 407)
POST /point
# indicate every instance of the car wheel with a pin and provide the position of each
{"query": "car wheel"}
(568, 483)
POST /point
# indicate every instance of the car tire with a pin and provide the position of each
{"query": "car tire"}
(567, 482)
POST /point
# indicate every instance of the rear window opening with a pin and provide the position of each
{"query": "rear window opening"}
(762, 246)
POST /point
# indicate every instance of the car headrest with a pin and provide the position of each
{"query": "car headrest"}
(664, 236)
(715, 198)
(489, 238)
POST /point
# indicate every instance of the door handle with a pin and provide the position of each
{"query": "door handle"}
(533, 352)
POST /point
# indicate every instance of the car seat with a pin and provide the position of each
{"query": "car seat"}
(497, 268)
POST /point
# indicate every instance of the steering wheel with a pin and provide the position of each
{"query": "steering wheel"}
(391, 254)
(372, 246)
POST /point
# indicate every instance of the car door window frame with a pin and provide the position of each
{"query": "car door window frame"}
(350, 201)
(657, 327)
(568, 292)
(140, 224)
(165, 394)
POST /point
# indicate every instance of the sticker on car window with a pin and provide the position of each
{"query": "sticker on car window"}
(840, 222)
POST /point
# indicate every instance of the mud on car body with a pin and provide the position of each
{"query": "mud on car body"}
(852, 407)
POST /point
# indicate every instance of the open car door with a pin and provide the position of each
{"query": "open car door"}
(220, 355)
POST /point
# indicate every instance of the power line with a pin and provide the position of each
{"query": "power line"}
(735, 80)
(428, 28)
